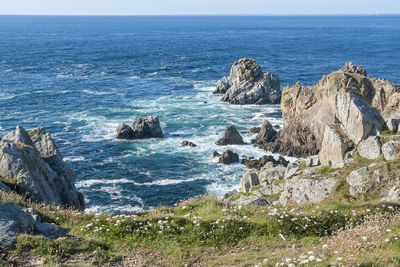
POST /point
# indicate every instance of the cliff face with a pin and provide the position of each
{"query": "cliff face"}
(306, 110)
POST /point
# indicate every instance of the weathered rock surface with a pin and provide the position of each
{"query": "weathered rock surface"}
(15, 221)
(247, 84)
(251, 201)
(259, 163)
(188, 143)
(393, 195)
(302, 191)
(229, 157)
(270, 175)
(38, 168)
(266, 134)
(371, 148)
(146, 127)
(231, 137)
(249, 180)
(333, 146)
(4, 188)
(358, 181)
(345, 96)
(390, 149)
(255, 130)
(393, 122)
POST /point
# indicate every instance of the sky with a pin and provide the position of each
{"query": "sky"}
(198, 7)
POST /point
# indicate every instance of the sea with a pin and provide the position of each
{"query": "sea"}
(80, 76)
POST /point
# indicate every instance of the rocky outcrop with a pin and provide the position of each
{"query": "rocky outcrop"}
(229, 157)
(393, 122)
(231, 137)
(146, 127)
(251, 201)
(390, 149)
(33, 160)
(371, 148)
(188, 143)
(346, 97)
(393, 195)
(247, 84)
(15, 221)
(302, 191)
(270, 175)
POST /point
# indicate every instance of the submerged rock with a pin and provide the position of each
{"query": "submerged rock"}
(38, 168)
(231, 137)
(247, 84)
(146, 127)
(229, 157)
(187, 143)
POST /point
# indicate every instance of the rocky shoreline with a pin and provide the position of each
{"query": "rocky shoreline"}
(333, 129)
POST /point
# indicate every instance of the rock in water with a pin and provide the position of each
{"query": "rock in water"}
(124, 132)
(247, 84)
(146, 127)
(266, 134)
(187, 143)
(306, 110)
(229, 157)
(231, 137)
(38, 168)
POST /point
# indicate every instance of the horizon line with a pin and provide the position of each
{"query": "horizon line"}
(200, 15)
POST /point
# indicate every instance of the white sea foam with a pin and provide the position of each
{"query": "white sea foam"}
(74, 158)
(91, 182)
(91, 92)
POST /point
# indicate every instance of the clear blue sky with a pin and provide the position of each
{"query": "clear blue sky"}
(197, 7)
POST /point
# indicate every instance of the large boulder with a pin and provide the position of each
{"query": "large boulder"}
(229, 157)
(247, 84)
(146, 127)
(302, 191)
(359, 181)
(248, 181)
(371, 148)
(270, 175)
(390, 149)
(333, 147)
(393, 195)
(231, 137)
(38, 168)
(306, 110)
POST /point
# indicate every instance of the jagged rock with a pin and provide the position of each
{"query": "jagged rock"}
(187, 143)
(306, 110)
(371, 148)
(146, 127)
(39, 170)
(124, 132)
(231, 137)
(251, 201)
(229, 157)
(4, 188)
(358, 120)
(390, 149)
(247, 84)
(255, 130)
(15, 221)
(393, 122)
(291, 170)
(259, 163)
(230, 194)
(216, 154)
(266, 134)
(358, 181)
(302, 191)
(333, 147)
(393, 195)
(270, 175)
(249, 180)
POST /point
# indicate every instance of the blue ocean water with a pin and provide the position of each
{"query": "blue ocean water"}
(78, 77)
